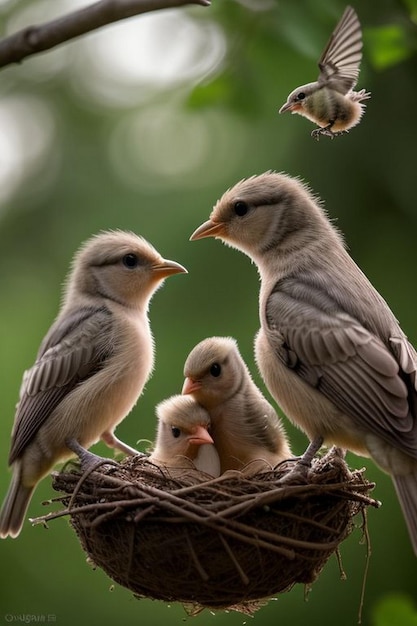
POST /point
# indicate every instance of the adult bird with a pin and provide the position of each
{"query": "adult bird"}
(330, 350)
(331, 101)
(91, 366)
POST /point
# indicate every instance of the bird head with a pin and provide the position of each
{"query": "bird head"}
(120, 266)
(263, 214)
(183, 426)
(298, 98)
(213, 371)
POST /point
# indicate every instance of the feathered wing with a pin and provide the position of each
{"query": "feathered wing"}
(340, 61)
(333, 352)
(72, 351)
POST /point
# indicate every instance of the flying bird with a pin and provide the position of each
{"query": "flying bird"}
(183, 436)
(245, 428)
(91, 367)
(331, 101)
(329, 349)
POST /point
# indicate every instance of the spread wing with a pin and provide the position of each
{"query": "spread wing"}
(72, 351)
(340, 61)
(333, 352)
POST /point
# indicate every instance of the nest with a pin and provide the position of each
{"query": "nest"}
(228, 542)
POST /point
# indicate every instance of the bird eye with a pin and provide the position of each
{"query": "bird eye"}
(215, 370)
(241, 208)
(176, 432)
(130, 261)
(301, 95)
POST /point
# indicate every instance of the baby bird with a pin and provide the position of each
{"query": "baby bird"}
(91, 366)
(244, 426)
(330, 350)
(183, 436)
(331, 102)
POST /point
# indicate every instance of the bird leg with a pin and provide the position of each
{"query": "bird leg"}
(88, 460)
(308, 456)
(112, 441)
(303, 464)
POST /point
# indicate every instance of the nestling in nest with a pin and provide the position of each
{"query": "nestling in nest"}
(226, 542)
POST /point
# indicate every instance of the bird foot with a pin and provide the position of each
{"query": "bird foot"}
(302, 465)
(88, 460)
(327, 132)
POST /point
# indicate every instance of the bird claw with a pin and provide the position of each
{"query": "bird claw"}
(327, 133)
(302, 465)
(88, 460)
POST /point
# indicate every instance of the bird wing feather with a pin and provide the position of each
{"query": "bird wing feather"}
(335, 353)
(71, 352)
(340, 61)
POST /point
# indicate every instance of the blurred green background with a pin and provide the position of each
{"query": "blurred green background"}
(142, 126)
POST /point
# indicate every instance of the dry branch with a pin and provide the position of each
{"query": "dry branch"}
(38, 38)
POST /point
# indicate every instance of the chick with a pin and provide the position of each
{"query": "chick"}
(245, 428)
(183, 438)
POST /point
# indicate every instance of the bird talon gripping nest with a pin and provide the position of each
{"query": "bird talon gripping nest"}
(227, 542)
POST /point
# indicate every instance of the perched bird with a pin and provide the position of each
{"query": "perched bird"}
(330, 102)
(244, 426)
(91, 366)
(183, 436)
(330, 350)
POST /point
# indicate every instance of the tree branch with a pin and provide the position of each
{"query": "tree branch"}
(35, 39)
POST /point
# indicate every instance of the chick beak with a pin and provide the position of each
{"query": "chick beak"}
(208, 229)
(167, 268)
(190, 386)
(200, 436)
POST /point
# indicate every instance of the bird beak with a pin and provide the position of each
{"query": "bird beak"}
(208, 229)
(168, 268)
(190, 386)
(288, 106)
(200, 436)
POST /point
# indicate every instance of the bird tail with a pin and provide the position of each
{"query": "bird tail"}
(406, 488)
(14, 507)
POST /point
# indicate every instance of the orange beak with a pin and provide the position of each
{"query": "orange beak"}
(190, 386)
(200, 436)
(208, 229)
(290, 106)
(167, 268)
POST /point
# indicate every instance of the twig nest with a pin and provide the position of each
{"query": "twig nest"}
(220, 543)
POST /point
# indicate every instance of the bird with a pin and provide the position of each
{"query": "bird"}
(245, 428)
(329, 348)
(331, 101)
(91, 366)
(183, 436)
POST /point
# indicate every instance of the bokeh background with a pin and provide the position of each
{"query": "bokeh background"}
(142, 126)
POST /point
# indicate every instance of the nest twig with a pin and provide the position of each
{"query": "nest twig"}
(227, 542)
